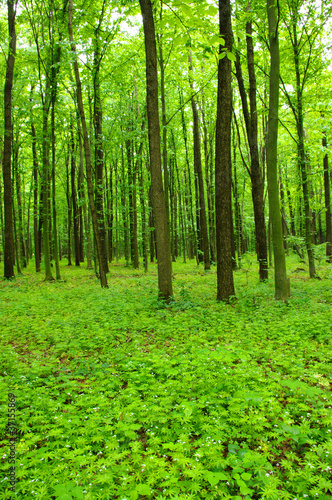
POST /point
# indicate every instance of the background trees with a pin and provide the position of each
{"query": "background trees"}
(57, 185)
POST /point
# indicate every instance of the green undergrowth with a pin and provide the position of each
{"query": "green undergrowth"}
(121, 397)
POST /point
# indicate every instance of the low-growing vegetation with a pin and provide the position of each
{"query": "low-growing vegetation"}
(121, 397)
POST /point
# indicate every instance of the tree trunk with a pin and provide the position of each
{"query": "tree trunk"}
(99, 156)
(199, 173)
(35, 197)
(7, 149)
(46, 188)
(69, 213)
(74, 198)
(87, 152)
(225, 283)
(280, 277)
(255, 169)
(301, 151)
(158, 198)
(327, 203)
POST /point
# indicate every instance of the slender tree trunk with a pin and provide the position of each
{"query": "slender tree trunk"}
(99, 156)
(281, 285)
(158, 197)
(87, 226)
(20, 234)
(69, 212)
(301, 152)
(35, 198)
(124, 211)
(55, 227)
(207, 161)
(225, 283)
(7, 149)
(87, 152)
(255, 169)
(283, 212)
(143, 214)
(192, 240)
(46, 188)
(199, 173)
(110, 213)
(74, 199)
(256, 172)
(327, 203)
(164, 125)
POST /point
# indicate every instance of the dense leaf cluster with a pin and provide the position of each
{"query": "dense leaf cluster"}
(119, 397)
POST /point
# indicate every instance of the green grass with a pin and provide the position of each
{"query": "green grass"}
(119, 397)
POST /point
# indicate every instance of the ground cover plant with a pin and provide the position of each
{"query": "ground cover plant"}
(121, 397)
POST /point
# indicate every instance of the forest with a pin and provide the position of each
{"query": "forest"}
(165, 249)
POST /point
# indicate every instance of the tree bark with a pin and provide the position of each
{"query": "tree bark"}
(74, 198)
(280, 277)
(158, 198)
(255, 169)
(99, 155)
(9, 255)
(327, 203)
(225, 283)
(87, 152)
(199, 173)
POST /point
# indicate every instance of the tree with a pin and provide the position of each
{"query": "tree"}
(280, 278)
(225, 283)
(202, 230)
(87, 151)
(251, 123)
(157, 192)
(7, 148)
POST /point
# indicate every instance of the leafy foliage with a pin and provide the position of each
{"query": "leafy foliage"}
(120, 397)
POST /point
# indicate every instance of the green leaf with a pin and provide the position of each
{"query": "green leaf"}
(77, 492)
(143, 489)
(231, 56)
(186, 10)
(214, 477)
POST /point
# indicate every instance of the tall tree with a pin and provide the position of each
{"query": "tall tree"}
(7, 148)
(327, 201)
(157, 192)
(223, 193)
(87, 151)
(203, 231)
(251, 122)
(281, 286)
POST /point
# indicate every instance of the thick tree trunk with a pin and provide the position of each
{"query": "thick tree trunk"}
(225, 283)
(280, 277)
(158, 198)
(9, 256)
(87, 152)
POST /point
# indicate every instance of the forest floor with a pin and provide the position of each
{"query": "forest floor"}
(119, 397)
